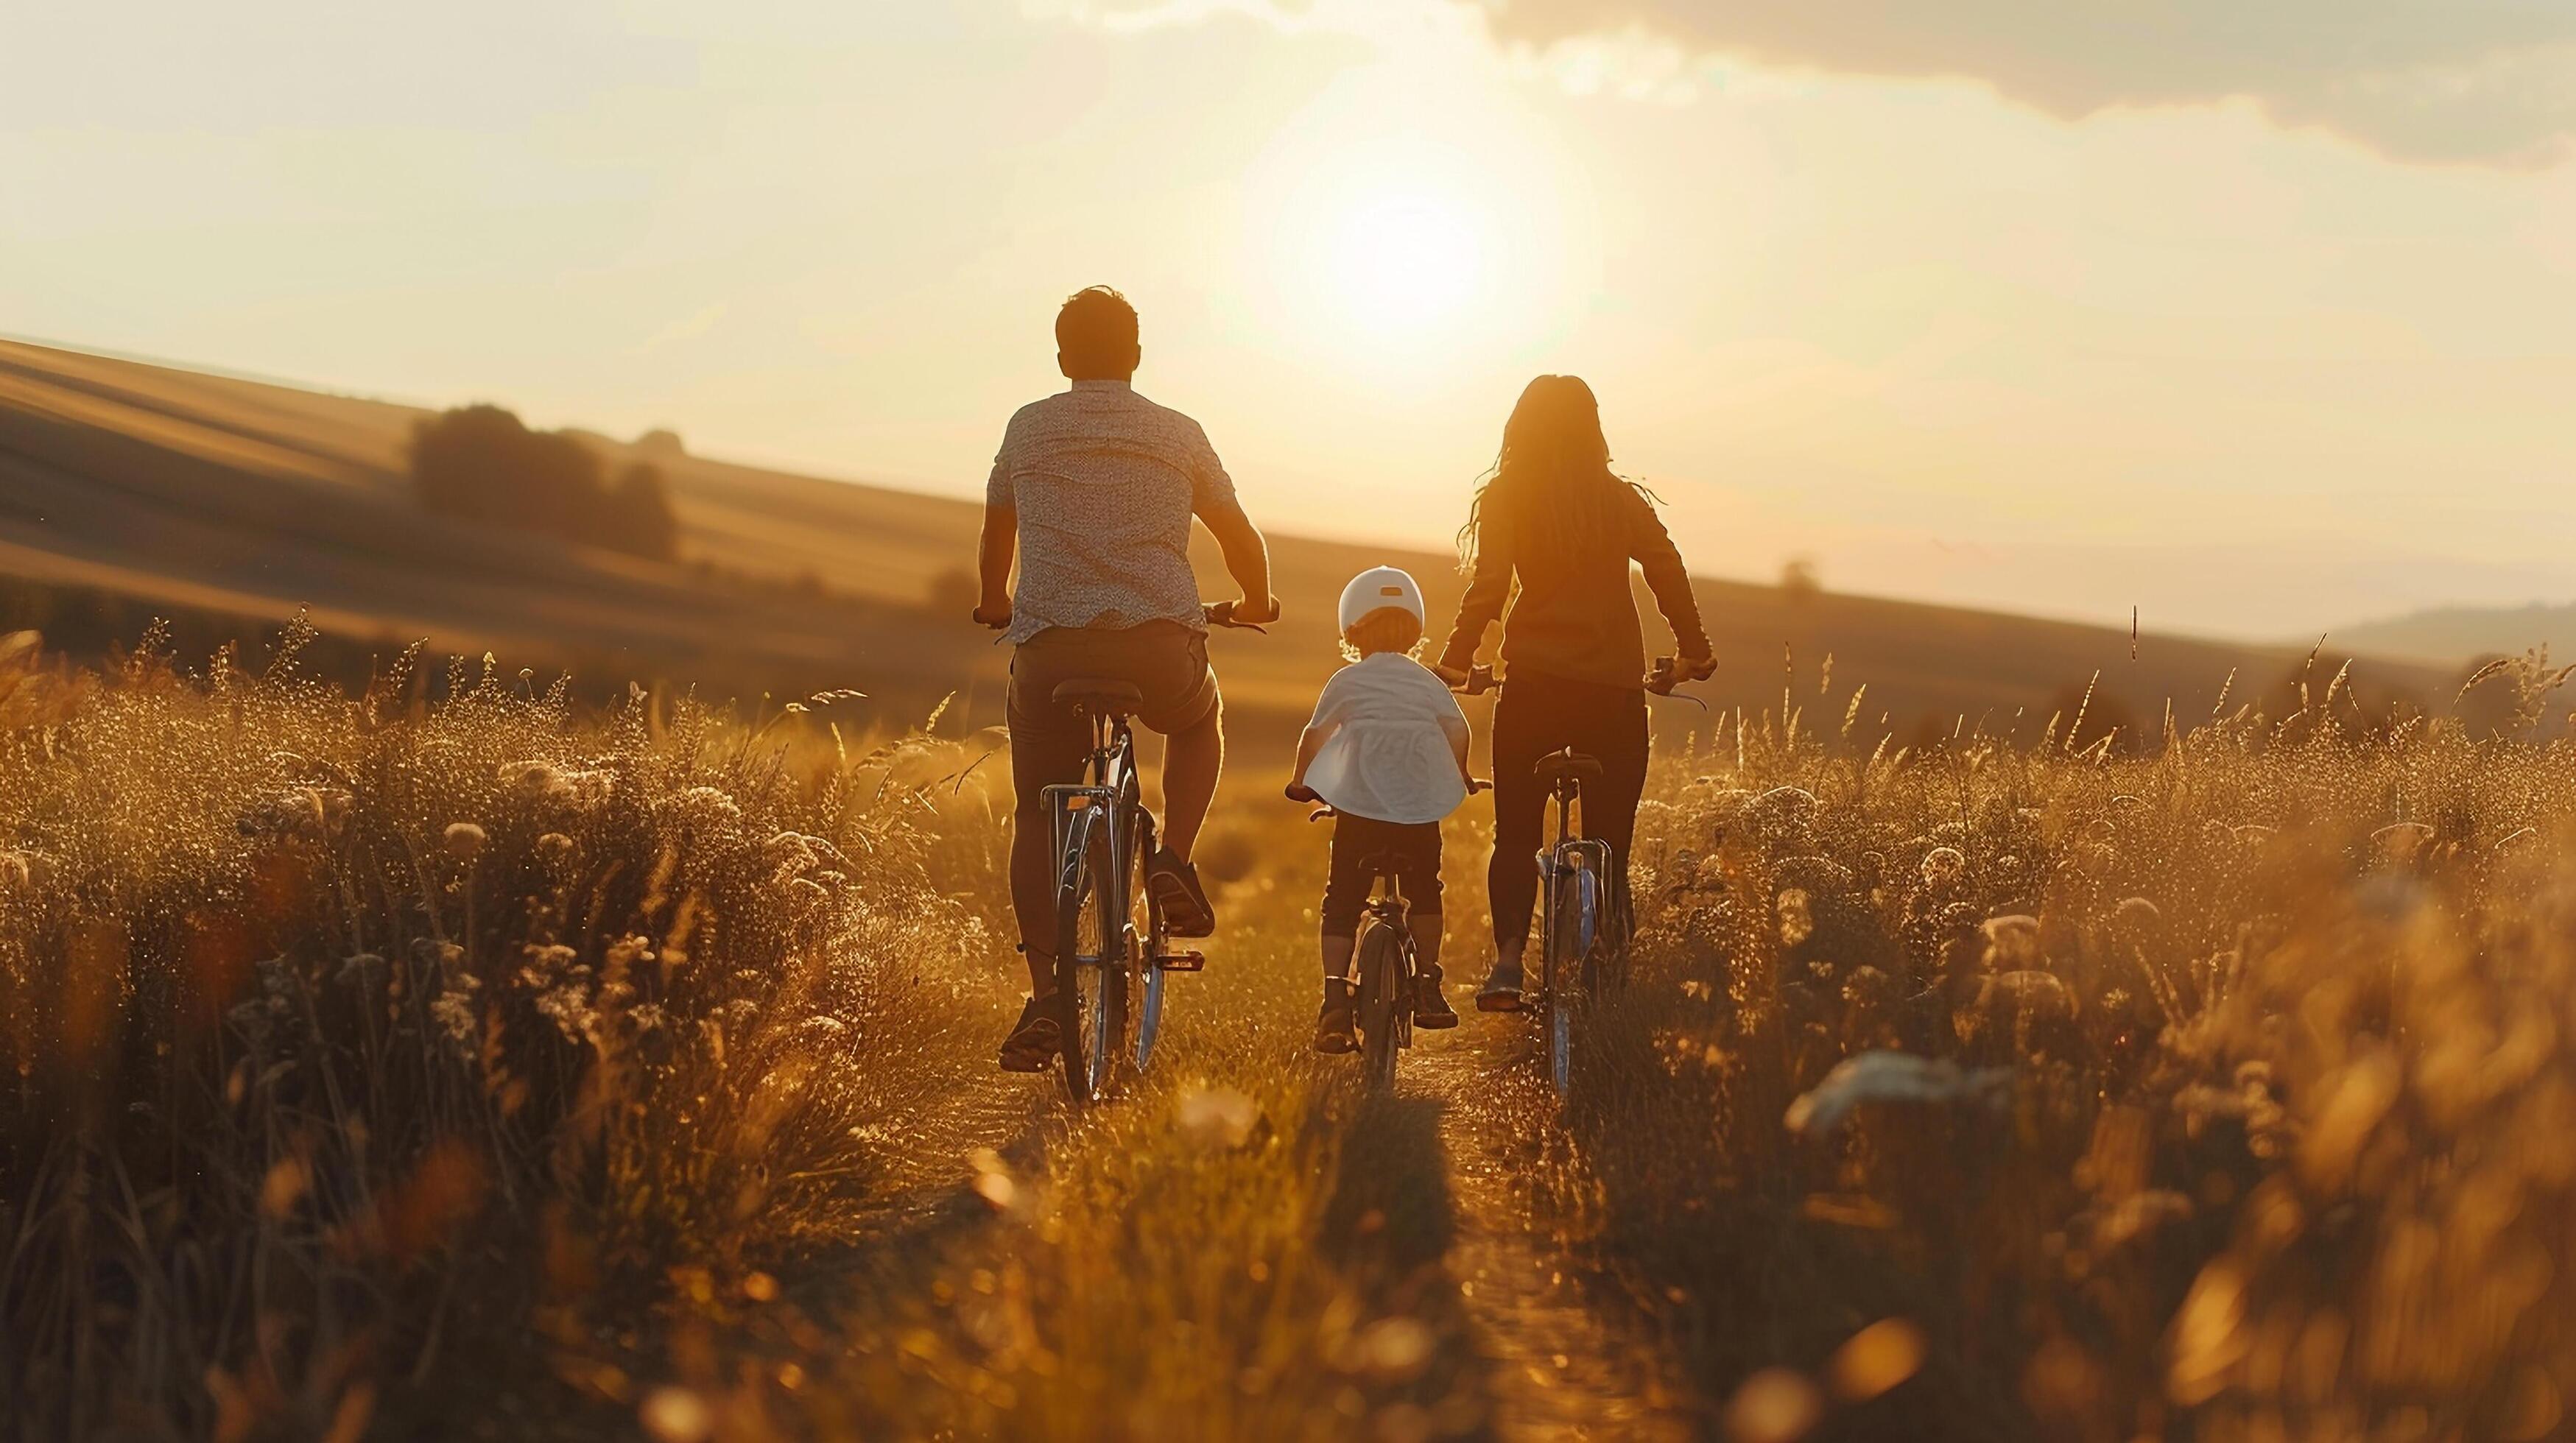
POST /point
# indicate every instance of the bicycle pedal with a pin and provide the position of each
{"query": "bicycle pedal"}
(1188, 959)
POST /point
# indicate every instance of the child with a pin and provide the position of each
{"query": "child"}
(1388, 749)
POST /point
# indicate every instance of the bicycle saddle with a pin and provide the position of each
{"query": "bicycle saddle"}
(1556, 766)
(1101, 695)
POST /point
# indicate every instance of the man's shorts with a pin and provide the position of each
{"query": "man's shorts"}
(1163, 659)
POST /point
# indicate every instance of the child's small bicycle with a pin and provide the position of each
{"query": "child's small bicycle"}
(1389, 967)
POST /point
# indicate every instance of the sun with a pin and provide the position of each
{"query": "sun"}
(1403, 240)
(1401, 262)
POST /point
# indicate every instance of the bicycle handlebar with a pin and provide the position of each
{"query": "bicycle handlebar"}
(1299, 792)
(1216, 613)
(1668, 673)
(1221, 614)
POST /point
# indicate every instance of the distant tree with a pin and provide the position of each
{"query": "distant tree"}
(640, 516)
(661, 443)
(482, 464)
(1798, 581)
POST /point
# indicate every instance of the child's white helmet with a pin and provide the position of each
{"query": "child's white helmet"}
(1376, 589)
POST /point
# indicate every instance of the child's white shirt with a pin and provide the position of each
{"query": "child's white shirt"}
(1390, 756)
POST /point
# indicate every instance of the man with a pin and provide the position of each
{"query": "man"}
(1094, 487)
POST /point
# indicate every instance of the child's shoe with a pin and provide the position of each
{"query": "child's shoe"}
(1334, 1030)
(1430, 1009)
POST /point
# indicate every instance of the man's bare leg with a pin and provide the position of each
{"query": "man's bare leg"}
(1033, 895)
(1193, 759)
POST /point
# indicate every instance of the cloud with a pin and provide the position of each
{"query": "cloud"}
(2478, 81)
(2485, 82)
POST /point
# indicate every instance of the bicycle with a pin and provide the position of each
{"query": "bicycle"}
(1112, 947)
(1386, 960)
(1583, 918)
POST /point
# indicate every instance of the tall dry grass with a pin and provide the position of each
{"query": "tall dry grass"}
(2252, 1111)
(354, 1045)
(489, 1066)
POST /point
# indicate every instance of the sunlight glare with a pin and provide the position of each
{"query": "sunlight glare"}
(1401, 262)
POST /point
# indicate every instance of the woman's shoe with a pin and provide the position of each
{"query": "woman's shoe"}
(1502, 990)
(1335, 1033)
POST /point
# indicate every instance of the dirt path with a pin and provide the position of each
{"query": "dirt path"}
(1245, 1244)
(1560, 1365)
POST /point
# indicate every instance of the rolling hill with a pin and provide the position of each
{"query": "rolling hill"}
(2456, 636)
(129, 489)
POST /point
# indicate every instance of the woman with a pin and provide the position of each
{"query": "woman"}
(1554, 516)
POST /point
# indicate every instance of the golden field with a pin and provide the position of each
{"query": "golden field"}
(457, 1060)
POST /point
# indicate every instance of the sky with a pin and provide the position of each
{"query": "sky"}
(2258, 318)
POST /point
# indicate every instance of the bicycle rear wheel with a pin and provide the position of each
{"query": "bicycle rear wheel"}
(1384, 982)
(1091, 974)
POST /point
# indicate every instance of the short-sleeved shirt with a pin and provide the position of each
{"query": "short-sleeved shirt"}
(1391, 757)
(1105, 483)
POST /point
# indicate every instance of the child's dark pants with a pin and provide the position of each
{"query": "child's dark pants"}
(1413, 849)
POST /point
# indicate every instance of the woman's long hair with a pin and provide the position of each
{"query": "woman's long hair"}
(1552, 479)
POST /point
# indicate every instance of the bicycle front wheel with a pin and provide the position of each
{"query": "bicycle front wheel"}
(1091, 973)
(1385, 990)
(1574, 911)
(1145, 941)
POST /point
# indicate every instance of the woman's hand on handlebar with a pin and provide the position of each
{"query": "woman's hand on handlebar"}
(1479, 784)
(1471, 680)
(996, 616)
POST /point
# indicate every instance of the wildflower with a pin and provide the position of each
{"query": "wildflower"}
(705, 807)
(2013, 944)
(463, 840)
(1797, 924)
(1944, 868)
(1886, 1077)
(569, 1009)
(549, 964)
(453, 1011)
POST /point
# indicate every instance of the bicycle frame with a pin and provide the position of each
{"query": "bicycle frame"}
(1394, 1009)
(1112, 786)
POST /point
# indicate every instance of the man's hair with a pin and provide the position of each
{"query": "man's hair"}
(1389, 628)
(1096, 334)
